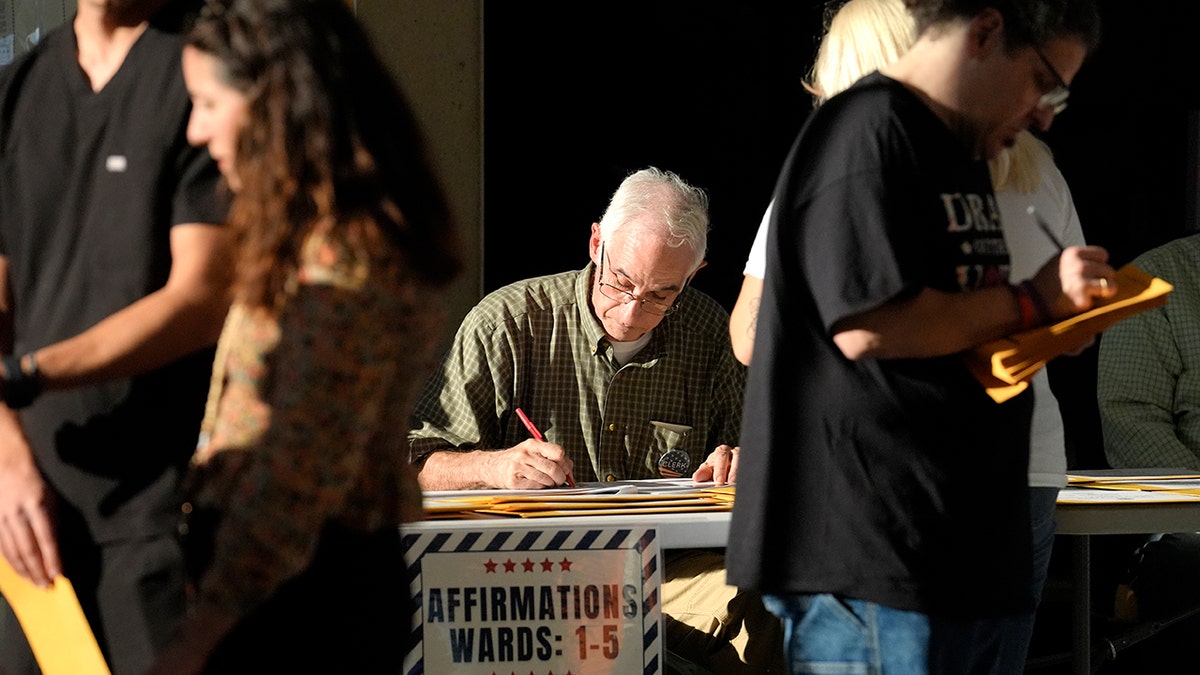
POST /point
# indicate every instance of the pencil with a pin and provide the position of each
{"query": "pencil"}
(1045, 228)
(533, 431)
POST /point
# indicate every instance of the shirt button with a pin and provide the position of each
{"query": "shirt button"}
(610, 478)
(612, 427)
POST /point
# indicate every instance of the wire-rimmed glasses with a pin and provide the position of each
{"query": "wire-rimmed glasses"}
(624, 297)
(1054, 100)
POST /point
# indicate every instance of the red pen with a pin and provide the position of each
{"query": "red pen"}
(533, 431)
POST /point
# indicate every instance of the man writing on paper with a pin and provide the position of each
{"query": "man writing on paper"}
(622, 366)
(113, 280)
(900, 485)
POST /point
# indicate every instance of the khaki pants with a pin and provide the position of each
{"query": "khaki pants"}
(714, 625)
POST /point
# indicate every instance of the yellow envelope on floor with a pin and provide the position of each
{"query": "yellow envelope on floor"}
(1005, 366)
(54, 624)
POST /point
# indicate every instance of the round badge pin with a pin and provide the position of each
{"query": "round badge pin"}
(674, 463)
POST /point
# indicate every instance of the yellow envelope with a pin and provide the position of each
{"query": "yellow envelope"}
(1005, 366)
(54, 625)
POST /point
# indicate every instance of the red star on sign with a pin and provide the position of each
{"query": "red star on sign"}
(491, 568)
(565, 565)
(528, 565)
(509, 565)
(547, 565)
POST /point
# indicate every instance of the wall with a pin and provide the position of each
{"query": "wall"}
(23, 22)
(435, 49)
(579, 96)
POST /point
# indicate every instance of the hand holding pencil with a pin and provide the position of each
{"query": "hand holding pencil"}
(1073, 281)
(537, 435)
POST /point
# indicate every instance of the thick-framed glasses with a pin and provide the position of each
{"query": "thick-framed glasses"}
(1054, 100)
(624, 297)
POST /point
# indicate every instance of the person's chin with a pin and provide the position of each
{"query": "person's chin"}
(624, 334)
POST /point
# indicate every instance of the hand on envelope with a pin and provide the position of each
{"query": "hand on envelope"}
(1005, 366)
(54, 624)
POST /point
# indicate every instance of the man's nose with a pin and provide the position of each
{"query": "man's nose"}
(1042, 118)
(630, 309)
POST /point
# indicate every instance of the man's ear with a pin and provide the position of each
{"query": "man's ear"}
(702, 265)
(985, 32)
(594, 244)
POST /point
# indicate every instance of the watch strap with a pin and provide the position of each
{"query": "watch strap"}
(21, 384)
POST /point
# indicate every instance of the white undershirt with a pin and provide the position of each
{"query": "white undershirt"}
(624, 351)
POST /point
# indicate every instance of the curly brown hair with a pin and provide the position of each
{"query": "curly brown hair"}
(1027, 22)
(330, 145)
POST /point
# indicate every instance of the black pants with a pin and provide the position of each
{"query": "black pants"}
(349, 612)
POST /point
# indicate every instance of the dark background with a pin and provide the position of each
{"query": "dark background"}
(577, 95)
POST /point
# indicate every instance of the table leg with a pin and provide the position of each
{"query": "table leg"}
(1081, 626)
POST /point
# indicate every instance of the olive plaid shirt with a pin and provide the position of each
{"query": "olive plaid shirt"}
(537, 345)
(1148, 376)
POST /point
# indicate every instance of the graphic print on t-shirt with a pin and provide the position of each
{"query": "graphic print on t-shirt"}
(973, 223)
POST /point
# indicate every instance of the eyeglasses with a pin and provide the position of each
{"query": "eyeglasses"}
(624, 297)
(1054, 100)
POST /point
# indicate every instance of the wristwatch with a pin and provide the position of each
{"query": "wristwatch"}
(20, 380)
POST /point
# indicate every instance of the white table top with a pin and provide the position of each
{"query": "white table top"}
(1096, 511)
(1123, 512)
(1128, 518)
(708, 529)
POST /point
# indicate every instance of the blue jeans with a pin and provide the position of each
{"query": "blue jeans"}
(1018, 631)
(825, 634)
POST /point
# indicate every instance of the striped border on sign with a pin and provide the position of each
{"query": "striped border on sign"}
(644, 540)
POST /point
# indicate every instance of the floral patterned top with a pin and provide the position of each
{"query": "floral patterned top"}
(306, 418)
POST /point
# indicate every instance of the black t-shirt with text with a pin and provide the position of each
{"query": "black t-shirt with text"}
(895, 481)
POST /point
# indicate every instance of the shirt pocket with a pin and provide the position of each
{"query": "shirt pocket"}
(668, 455)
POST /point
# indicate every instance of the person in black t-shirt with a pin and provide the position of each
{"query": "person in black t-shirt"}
(882, 503)
(114, 278)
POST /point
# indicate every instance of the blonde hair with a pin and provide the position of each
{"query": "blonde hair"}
(1016, 167)
(863, 36)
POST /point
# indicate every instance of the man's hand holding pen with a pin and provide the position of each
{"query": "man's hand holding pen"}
(530, 465)
(1078, 275)
(720, 467)
(537, 435)
(1071, 282)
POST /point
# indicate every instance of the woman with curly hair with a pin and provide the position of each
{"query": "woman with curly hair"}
(301, 476)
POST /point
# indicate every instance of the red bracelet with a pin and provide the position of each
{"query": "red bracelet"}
(1029, 312)
(1043, 312)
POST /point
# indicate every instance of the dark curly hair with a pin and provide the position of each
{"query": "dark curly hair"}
(1027, 22)
(330, 144)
